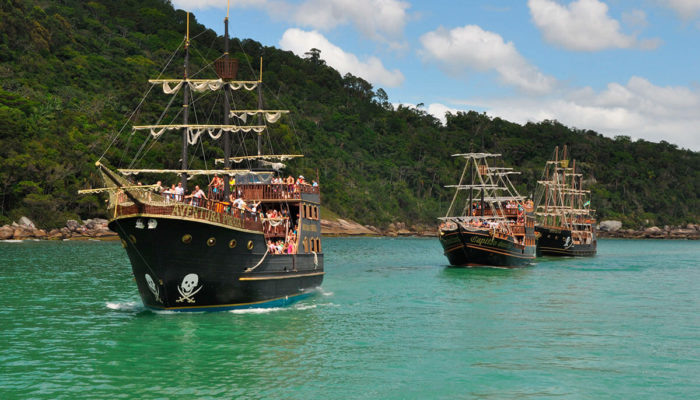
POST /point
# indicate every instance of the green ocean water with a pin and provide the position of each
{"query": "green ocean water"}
(390, 322)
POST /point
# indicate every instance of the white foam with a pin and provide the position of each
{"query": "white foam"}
(305, 306)
(260, 310)
(128, 306)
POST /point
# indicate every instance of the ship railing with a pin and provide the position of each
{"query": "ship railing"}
(196, 208)
(274, 191)
(275, 227)
(518, 229)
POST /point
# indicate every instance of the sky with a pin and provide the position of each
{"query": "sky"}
(618, 67)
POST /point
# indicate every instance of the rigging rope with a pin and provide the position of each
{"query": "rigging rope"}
(117, 134)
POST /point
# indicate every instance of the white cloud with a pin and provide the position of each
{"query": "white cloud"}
(686, 9)
(439, 110)
(376, 19)
(371, 69)
(583, 25)
(381, 20)
(638, 109)
(470, 47)
(191, 5)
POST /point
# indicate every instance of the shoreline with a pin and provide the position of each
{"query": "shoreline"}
(96, 229)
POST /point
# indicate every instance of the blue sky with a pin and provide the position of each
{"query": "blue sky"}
(618, 67)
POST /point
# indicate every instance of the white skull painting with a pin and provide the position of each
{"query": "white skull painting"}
(139, 224)
(152, 223)
(153, 287)
(187, 288)
(568, 243)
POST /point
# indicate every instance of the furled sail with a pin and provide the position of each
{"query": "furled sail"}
(125, 171)
(271, 116)
(201, 85)
(281, 157)
(195, 131)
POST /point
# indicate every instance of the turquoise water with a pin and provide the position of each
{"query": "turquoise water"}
(390, 322)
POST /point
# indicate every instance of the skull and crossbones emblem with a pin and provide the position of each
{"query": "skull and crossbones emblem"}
(153, 287)
(568, 243)
(187, 288)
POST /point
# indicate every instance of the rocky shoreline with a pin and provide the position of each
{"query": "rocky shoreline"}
(613, 229)
(74, 230)
(606, 229)
(97, 229)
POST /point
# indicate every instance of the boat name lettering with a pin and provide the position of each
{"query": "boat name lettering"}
(489, 242)
(183, 210)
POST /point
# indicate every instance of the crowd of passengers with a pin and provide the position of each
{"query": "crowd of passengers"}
(216, 186)
(286, 246)
(197, 196)
(274, 218)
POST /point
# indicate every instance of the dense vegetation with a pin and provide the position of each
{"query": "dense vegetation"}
(71, 72)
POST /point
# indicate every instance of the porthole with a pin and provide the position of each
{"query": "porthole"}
(187, 238)
(124, 243)
(211, 241)
(250, 245)
(132, 238)
(232, 243)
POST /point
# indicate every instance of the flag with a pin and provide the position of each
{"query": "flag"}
(586, 204)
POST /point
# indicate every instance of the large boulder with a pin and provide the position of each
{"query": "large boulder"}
(20, 234)
(610, 226)
(26, 222)
(73, 225)
(654, 230)
(6, 232)
(55, 234)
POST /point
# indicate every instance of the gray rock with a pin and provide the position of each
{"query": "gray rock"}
(654, 230)
(610, 226)
(24, 221)
(72, 225)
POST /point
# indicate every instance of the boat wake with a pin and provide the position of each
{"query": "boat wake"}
(129, 306)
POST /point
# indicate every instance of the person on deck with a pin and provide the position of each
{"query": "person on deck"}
(216, 186)
(197, 196)
(179, 192)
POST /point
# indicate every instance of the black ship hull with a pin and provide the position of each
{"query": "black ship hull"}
(186, 265)
(558, 242)
(472, 248)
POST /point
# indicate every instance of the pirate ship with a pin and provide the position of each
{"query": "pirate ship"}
(565, 222)
(488, 223)
(217, 252)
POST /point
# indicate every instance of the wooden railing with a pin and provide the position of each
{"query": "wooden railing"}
(274, 191)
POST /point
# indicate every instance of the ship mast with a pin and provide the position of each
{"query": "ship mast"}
(227, 108)
(185, 106)
(260, 107)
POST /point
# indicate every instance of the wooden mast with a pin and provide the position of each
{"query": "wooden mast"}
(260, 105)
(227, 108)
(185, 106)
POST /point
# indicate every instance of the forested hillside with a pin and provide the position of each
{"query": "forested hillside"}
(71, 72)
